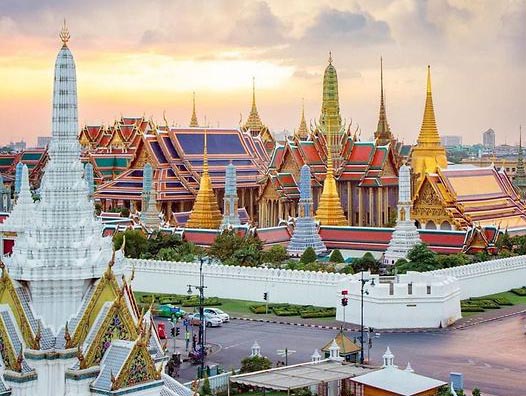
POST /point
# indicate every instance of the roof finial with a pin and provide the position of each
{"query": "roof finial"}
(428, 79)
(330, 57)
(381, 80)
(193, 121)
(253, 92)
(64, 33)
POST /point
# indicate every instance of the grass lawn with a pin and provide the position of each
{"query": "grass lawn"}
(237, 306)
(515, 299)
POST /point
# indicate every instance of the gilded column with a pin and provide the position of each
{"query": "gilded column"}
(360, 206)
(371, 207)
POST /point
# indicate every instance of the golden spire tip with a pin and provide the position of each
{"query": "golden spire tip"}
(330, 57)
(64, 33)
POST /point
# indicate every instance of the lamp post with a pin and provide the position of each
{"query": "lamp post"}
(363, 291)
(202, 324)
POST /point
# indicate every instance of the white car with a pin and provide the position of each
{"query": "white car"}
(210, 320)
(219, 313)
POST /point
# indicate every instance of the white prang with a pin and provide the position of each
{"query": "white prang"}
(405, 235)
(62, 248)
(22, 214)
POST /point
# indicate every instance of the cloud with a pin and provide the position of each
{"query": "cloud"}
(345, 27)
(257, 25)
(513, 32)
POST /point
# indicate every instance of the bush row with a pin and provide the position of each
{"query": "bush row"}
(175, 299)
(521, 291)
(305, 311)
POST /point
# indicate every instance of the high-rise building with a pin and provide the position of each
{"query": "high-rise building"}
(451, 140)
(43, 141)
(488, 139)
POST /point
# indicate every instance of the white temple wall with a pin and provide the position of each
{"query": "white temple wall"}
(49, 372)
(416, 300)
(242, 283)
(489, 277)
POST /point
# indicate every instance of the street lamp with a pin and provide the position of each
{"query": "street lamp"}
(201, 288)
(363, 291)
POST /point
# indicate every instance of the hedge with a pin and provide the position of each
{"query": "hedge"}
(519, 291)
(471, 308)
(320, 313)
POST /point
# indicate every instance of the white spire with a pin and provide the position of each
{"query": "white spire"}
(22, 214)
(409, 368)
(388, 358)
(334, 351)
(255, 350)
(316, 357)
(62, 249)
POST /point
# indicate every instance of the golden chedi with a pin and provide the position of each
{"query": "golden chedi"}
(428, 155)
(205, 213)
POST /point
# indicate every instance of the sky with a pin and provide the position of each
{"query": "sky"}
(147, 57)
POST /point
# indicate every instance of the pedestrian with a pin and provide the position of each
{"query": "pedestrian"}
(194, 341)
(187, 338)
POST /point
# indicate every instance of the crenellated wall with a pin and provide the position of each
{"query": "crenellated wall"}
(243, 283)
(488, 277)
(413, 300)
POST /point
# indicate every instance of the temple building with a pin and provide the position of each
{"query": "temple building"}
(365, 173)
(305, 229)
(405, 235)
(428, 155)
(459, 197)
(69, 322)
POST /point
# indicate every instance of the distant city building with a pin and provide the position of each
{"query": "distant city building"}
(450, 141)
(488, 139)
(17, 146)
(43, 141)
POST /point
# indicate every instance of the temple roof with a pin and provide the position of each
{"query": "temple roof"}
(176, 157)
(478, 196)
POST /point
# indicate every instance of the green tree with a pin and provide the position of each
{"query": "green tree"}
(348, 269)
(475, 392)
(308, 256)
(275, 255)
(233, 249)
(255, 363)
(136, 242)
(205, 389)
(452, 260)
(336, 257)
(366, 263)
(125, 212)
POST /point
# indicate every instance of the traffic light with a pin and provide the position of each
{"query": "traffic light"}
(172, 330)
(345, 292)
(265, 296)
(177, 331)
(345, 301)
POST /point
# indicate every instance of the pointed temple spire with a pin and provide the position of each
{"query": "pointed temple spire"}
(193, 121)
(62, 249)
(205, 213)
(428, 154)
(22, 214)
(149, 212)
(383, 132)
(254, 121)
(405, 235)
(330, 107)
(64, 34)
(230, 201)
(302, 132)
(520, 175)
(305, 230)
(330, 210)
(18, 177)
(90, 179)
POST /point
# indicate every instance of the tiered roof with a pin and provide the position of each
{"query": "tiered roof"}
(475, 196)
(35, 159)
(176, 157)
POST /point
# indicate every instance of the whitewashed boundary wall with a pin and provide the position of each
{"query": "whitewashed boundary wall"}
(413, 300)
(242, 283)
(488, 277)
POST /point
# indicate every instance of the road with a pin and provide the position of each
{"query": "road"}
(492, 356)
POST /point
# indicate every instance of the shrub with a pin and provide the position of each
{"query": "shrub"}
(336, 257)
(502, 301)
(308, 256)
(255, 363)
(519, 291)
(258, 309)
(318, 313)
(471, 308)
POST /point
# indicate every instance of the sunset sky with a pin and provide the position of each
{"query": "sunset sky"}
(142, 57)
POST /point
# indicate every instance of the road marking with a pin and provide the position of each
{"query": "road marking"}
(235, 345)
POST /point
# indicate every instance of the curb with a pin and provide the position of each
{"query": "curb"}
(466, 325)
(324, 327)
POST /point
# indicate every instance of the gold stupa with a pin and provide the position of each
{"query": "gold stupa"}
(205, 213)
(428, 155)
(330, 210)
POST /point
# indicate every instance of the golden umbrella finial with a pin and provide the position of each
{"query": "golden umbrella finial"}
(64, 33)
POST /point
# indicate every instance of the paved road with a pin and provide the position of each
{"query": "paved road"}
(492, 356)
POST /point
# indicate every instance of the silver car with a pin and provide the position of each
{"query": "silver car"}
(219, 313)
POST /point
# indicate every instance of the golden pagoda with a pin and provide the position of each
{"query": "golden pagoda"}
(428, 155)
(193, 120)
(330, 210)
(205, 213)
(302, 132)
(330, 119)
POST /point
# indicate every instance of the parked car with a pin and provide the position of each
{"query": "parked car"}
(169, 310)
(218, 312)
(210, 320)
